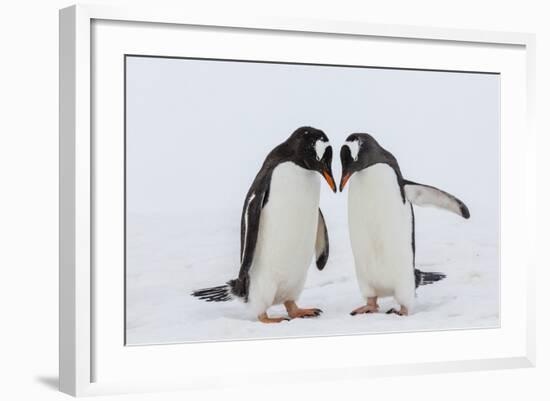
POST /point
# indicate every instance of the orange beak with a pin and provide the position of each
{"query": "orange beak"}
(344, 181)
(330, 180)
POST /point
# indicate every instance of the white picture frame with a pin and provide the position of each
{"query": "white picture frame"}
(93, 359)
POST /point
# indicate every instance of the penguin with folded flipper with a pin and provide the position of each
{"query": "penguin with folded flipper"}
(281, 228)
(381, 223)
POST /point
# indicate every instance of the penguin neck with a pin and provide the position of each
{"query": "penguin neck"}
(294, 174)
(380, 177)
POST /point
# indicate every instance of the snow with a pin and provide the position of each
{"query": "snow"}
(169, 256)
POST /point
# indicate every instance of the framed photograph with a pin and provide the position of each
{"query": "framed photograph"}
(237, 194)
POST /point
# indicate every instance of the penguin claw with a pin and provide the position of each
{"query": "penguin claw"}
(307, 313)
(364, 309)
(317, 312)
(353, 313)
(397, 312)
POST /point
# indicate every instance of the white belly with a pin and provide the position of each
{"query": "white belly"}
(380, 227)
(286, 237)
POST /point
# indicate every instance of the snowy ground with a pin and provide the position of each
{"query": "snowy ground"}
(168, 257)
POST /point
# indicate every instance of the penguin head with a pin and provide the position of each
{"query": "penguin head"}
(359, 152)
(311, 150)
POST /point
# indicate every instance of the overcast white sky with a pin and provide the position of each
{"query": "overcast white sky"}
(198, 131)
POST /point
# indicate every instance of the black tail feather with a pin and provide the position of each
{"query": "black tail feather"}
(424, 278)
(220, 293)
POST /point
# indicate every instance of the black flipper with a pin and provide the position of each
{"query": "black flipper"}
(425, 195)
(256, 199)
(321, 243)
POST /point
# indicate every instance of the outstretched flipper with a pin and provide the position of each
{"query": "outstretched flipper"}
(425, 195)
(321, 243)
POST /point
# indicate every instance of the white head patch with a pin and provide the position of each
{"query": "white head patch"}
(320, 147)
(354, 148)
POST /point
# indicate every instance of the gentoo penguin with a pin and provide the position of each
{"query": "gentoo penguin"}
(281, 228)
(381, 223)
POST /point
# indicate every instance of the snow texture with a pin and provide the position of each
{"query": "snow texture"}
(164, 272)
